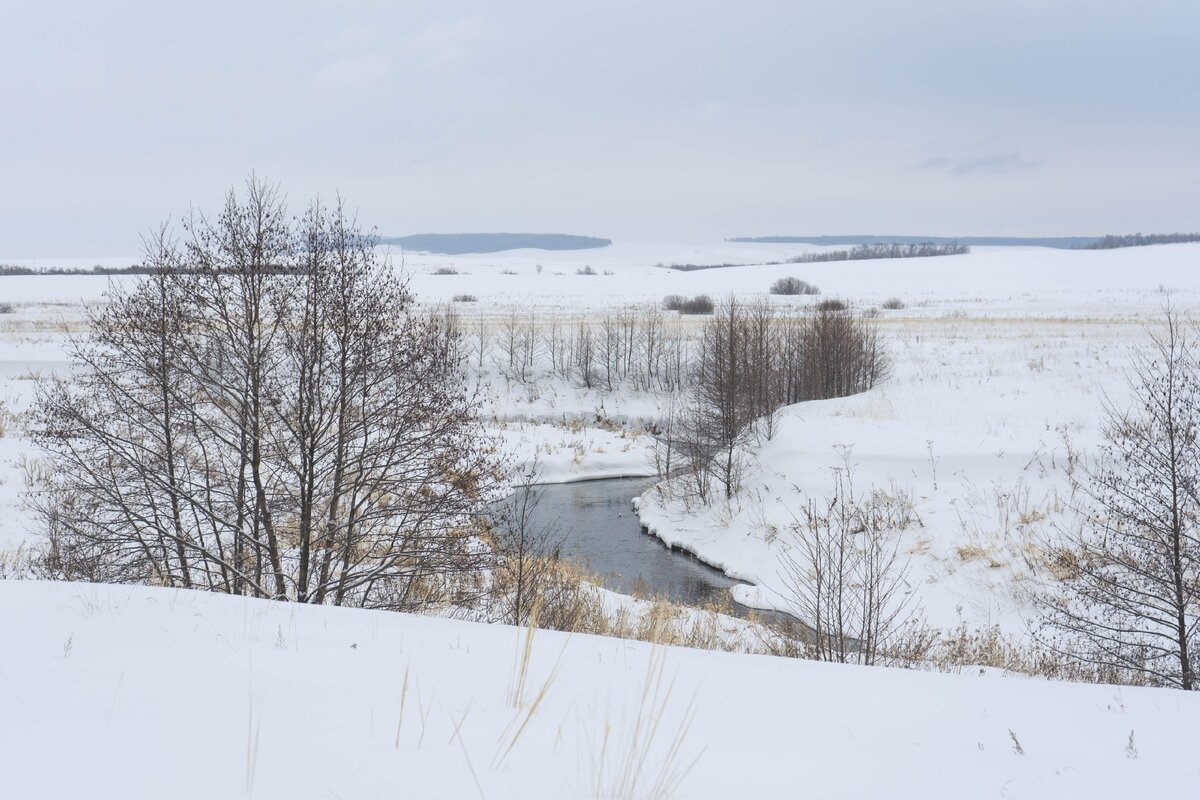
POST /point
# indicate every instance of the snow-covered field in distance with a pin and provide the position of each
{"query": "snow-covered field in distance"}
(998, 355)
(1043, 281)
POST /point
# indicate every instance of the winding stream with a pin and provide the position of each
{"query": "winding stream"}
(602, 532)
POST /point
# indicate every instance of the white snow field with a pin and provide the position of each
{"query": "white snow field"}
(1002, 360)
(148, 693)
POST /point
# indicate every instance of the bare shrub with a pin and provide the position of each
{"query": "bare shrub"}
(700, 304)
(587, 270)
(892, 304)
(525, 574)
(792, 285)
(7, 308)
(465, 298)
(846, 578)
(832, 304)
(445, 271)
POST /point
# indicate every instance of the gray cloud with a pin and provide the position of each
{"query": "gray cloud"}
(626, 119)
(995, 164)
(936, 163)
(991, 164)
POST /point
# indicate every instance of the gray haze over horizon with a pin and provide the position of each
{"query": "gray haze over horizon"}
(666, 121)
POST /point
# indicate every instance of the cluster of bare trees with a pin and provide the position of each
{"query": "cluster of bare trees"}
(751, 360)
(636, 347)
(1129, 601)
(266, 414)
(796, 354)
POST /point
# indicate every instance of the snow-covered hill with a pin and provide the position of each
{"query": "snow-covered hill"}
(150, 693)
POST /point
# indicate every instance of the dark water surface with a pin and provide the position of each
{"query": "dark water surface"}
(601, 531)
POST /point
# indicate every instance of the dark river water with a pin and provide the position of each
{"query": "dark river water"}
(600, 530)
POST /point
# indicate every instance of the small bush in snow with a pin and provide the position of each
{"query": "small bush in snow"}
(832, 304)
(465, 298)
(700, 304)
(793, 285)
(893, 304)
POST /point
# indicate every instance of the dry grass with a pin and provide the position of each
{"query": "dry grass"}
(569, 599)
(968, 553)
(403, 700)
(526, 706)
(10, 421)
(965, 648)
(573, 603)
(636, 759)
(19, 563)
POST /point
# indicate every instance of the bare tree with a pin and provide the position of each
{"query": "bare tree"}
(609, 350)
(723, 403)
(510, 356)
(847, 578)
(1131, 570)
(480, 342)
(585, 354)
(267, 413)
(527, 550)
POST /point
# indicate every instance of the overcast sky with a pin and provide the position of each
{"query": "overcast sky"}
(633, 120)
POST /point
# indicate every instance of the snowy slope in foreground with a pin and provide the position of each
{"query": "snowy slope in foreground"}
(133, 692)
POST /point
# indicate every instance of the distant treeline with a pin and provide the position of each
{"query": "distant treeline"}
(863, 252)
(1062, 242)
(697, 267)
(452, 244)
(13, 269)
(1111, 242)
(1108, 242)
(7, 270)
